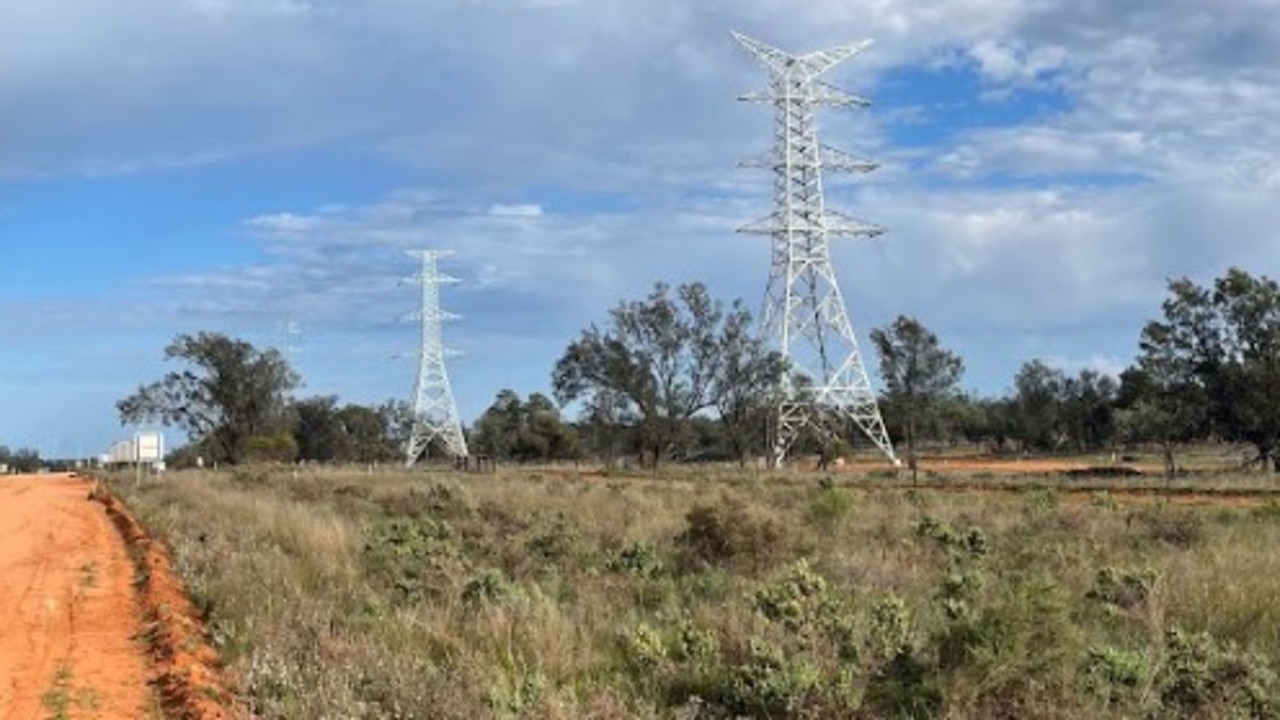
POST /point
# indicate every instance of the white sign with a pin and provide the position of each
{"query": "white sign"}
(150, 447)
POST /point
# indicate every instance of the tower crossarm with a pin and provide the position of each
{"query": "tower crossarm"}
(810, 65)
(830, 223)
(837, 160)
(840, 224)
(832, 159)
(825, 94)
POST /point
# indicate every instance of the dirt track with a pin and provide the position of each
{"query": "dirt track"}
(69, 621)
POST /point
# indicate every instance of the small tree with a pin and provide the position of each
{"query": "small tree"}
(229, 392)
(918, 373)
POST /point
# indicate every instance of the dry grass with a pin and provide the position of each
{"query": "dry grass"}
(544, 594)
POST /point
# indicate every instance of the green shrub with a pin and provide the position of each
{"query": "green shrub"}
(1205, 678)
(767, 684)
(1125, 589)
(1113, 673)
(830, 506)
(640, 559)
(959, 544)
(415, 559)
(488, 588)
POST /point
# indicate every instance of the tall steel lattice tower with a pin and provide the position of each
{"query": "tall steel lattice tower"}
(435, 414)
(804, 310)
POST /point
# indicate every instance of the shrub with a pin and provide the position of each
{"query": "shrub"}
(640, 559)
(727, 533)
(831, 505)
(1113, 673)
(1205, 678)
(768, 684)
(487, 588)
(413, 558)
(959, 544)
(1180, 528)
(1125, 589)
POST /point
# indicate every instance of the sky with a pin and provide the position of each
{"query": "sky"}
(173, 166)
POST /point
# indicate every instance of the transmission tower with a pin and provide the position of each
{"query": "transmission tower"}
(435, 414)
(803, 309)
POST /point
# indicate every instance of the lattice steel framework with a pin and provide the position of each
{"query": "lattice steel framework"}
(435, 413)
(804, 310)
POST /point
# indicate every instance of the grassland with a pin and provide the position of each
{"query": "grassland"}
(545, 594)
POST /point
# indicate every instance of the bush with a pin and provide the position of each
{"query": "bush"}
(728, 533)
(1180, 528)
(415, 559)
(280, 448)
(640, 559)
(831, 505)
(1125, 589)
(1204, 678)
(1114, 673)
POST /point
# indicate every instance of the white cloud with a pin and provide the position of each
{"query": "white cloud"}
(528, 210)
(1011, 62)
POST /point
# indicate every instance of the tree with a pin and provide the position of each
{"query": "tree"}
(1038, 395)
(662, 360)
(229, 393)
(1088, 409)
(1214, 361)
(513, 429)
(917, 372)
(367, 436)
(748, 387)
(318, 429)
(21, 460)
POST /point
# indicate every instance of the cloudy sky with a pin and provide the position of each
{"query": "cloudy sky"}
(171, 166)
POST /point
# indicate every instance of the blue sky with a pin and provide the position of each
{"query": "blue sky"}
(171, 166)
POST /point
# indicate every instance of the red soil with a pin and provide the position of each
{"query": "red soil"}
(93, 620)
(68, 615)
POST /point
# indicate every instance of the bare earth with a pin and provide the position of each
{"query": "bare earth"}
(69, 621)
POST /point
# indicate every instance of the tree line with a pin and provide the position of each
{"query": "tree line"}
(680, 376)
(20, 460)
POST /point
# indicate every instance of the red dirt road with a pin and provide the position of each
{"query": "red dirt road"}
(69, 619)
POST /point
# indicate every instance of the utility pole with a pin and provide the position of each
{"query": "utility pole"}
(804, 311)
(435, 413)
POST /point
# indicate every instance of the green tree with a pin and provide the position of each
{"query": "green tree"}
(1214, 360)
(366, 435)
(317, 429)
(1088, 409)
(22, 460)
(513, 429)
(918, 373)
(1037, 406)
(661, 360)
(229, 392)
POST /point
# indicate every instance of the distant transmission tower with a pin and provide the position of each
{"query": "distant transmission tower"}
(435, 414)
(804, 310)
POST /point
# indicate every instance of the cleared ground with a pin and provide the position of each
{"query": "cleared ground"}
(69, 622)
